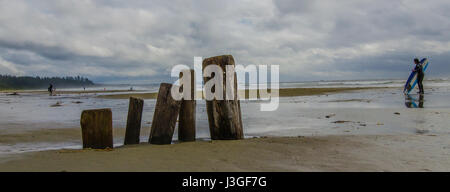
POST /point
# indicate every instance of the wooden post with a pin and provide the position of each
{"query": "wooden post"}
(186, 124)
(165, 116)
(133, 130)
(224, 116)
(96, 128)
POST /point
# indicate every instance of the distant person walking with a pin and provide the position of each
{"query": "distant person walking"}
(420, 74)
(50, 89)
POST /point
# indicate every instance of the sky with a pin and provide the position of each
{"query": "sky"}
(141, 40)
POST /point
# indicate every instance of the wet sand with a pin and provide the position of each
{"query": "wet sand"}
(328, 153)
(357, 144)
(286, 92)
(52, 135)
(18, 92)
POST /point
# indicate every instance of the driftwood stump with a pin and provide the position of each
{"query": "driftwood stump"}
(96, 128)
(186, 124)
(165, 116)
(133, 130)
(224, 116)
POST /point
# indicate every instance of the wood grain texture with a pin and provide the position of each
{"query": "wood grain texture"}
(133, 130)
(186, 124)
(96, 128)
(224, 116)
(165, 116)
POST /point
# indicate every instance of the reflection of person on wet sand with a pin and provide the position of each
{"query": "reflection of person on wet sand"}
(411, 102)
(421, 100)
(50, 89)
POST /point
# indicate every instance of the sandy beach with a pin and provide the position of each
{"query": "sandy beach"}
(18, 92)
(314, 129)
(286, 92)
(331, 153)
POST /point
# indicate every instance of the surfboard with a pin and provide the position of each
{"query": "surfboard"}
(412, 79)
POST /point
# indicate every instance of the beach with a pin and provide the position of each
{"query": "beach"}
(315, 128)
(286, 92)
(224, 86)
(328, 153)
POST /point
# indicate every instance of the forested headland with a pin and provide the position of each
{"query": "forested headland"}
(27, 82)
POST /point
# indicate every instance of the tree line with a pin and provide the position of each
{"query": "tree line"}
(28, 82)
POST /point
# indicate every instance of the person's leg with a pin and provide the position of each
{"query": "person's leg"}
(419, 84)
(420, 79)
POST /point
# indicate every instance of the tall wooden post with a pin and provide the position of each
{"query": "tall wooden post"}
(186, 124)
(165, 116)
(224, 116)
(133, 130)
(96, 128)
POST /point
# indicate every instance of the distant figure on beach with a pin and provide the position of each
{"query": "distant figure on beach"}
(50, 89)
(420, 74)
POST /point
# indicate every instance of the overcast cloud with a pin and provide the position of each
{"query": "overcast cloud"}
(123, 40)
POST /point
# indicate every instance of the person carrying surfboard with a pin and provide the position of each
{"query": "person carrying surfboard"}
(420, 74)
(50, 89)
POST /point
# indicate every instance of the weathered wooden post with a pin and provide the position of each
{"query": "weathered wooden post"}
(224, 116)
(186, 124)
(133, 130)
(96, 128)
(165, 116)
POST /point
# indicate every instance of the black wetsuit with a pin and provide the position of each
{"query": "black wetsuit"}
(420, 76)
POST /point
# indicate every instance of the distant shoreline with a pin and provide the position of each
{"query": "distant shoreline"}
(64, 92)
(125, 94)
(284, 92)
(29, 82)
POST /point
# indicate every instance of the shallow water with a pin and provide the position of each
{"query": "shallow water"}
(365, 112)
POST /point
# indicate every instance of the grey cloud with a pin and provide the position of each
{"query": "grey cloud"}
(111, 39)
(50, 52)
(293, 6)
